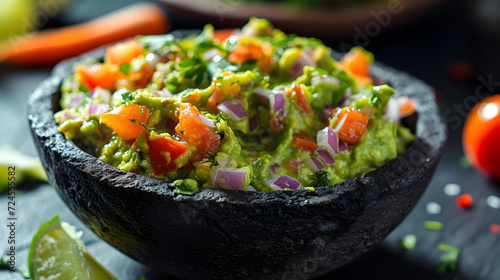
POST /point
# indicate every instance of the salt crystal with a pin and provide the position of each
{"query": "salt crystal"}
(433, 208)
(452, 189)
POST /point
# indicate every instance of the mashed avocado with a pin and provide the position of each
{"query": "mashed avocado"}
(253, 110)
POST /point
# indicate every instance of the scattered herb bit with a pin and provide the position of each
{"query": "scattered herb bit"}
(452, 189)
(311, 189)
(289, 190)
(221, 117)
(409, 242)
(186, 186)
(127, 97)
(125, 68)
(433, 225)
(465, 163)
(83, 89)
(143, 277)
(319, 178)
(211, 159)
(464, 201)
(494, 228)
(448, 261)
(134, 121)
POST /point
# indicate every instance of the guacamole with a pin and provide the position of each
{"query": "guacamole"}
(250, 109)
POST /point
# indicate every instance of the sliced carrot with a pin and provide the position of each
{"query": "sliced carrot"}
(305, 108)
(304, 142)
(245, 51)
(195, 132)
(351, 124)
(123, 52)
(98, 75)
(46, 48)
(163, 151)
(119, 120)
(221, 35)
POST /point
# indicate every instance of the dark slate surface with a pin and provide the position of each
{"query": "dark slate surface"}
(425, 50)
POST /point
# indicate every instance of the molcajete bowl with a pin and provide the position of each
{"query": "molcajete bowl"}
(221, 234)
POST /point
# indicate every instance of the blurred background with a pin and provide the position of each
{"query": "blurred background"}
(454, 46)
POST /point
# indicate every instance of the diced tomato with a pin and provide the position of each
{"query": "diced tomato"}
(195, 132)
(276, 124)
(163, 151)
(464, 201)
(305, 108)
(353, 124)
(304, 142)
(265, 62)
(215, 99)
(221, 35)
(244, 51)
(119, 120)
(123, 52)
(406, 107)
(292, 164)
(356, 63)
(143, 77)
(98, 75)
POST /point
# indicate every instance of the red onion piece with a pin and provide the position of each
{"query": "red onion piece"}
(325, 156)
(287, 182)
(208, 122)
(263, 93)
(68, 115)
(162, 93)
(328, 140)
(253, 123)
(303, 60)
(342, 146)
(392, 110)
(272, 168)
(247, 85)
(103, 94)
(315, 164)
(345, 97)
(325, 80)
(278, 105)
(230, 177)
(97, 109)
(75, 101)
(325, 112)
(234, 109)
(210, 54)
(170, 124)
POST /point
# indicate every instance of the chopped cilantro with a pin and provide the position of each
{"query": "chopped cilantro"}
(221, 117)
(409, 242)
(433, 225)
(211, 159)
(125, 68)
(127, 97)
(186, 186)
(448, 261)
(134, 121)
(319, 178)
(83, 89)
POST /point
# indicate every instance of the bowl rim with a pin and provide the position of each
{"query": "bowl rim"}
(431, 132)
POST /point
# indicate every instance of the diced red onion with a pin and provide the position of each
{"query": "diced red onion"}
(75, 101)
(325, 80)
(247, 85)
(163, 93)
(210, 54)
(272, 168)
(230, 177)
(345, 97)
(392, 110)
(263, 93)
(253, 123)
(234, 109)
(207, 121)
(152, 59)
(68, 115)
(97, 109)
(103, 94)
(328, 140)
(325, 156)
(342, 146)
(170, 124)
(315, 164)
(278, 105)
(287, 182)
(250, 189)
(327, 110)
(303, 60)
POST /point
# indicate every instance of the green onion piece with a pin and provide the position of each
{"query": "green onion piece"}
(433, 225)
(448, 261)
(409, 242)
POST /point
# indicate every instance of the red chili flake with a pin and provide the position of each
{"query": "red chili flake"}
(464, 201)
(460, 71)
(494, 228)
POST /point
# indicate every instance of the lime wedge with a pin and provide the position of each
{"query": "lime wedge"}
(57, 252)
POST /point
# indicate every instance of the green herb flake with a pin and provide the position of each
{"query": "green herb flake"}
(186, 186)
(125, 68)
(409, 242)
(210, 158)
(83, 89)
(319, 178)
(448, 261)
(311, 189)
(127, 97)
(465, 163)
(433, 225)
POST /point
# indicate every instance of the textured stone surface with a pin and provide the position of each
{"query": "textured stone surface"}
(220, 234)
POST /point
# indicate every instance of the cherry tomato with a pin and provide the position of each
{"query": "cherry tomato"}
(481, 136)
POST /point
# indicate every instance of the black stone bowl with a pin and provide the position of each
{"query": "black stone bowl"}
(221, 234)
